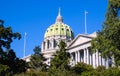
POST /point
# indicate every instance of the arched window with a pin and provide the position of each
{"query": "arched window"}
(54, 43)
(56, 28)
(68, 30)
(48, 42)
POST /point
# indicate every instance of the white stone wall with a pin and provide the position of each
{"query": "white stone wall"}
(53, 46)
(79, 49)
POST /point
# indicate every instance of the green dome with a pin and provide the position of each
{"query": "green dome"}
(57, 29)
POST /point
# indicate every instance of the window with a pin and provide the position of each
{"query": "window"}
(55, 43)
(62, 28)
(48, 42)
(56, 28)
(67, 29)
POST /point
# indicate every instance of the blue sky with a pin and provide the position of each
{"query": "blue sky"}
(35, 16)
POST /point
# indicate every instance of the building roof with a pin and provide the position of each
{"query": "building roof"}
(59, 28)
(81, 39)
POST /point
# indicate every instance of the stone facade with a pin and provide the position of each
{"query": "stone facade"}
(53, 35)
(78, 47)
(80, 51)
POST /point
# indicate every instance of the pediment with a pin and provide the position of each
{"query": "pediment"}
(80, 39)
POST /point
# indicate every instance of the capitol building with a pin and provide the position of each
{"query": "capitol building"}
(79, 47)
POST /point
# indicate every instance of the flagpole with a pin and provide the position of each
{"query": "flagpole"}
(85, 22)
(24, 44)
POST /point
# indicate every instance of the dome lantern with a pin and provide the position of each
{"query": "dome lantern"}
(59, 17)
(59, 28)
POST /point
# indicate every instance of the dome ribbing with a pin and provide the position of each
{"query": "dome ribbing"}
(59, 28)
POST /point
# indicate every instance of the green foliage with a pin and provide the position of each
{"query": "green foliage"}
(100, 71)
(33, 73)
(80, 68)
(16, 65)
(113, 71)
(7, 55)
(60, 62)
(108, 39)
(37, 59)
(61, 58)
(7, 36)
(37, 50)
(61, 72)
(4, 70)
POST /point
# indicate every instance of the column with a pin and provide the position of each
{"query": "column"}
(78, 56)
(97, 58)
(103, 61)
(87, 55)
(107, 64)
(100, 62)
(52, 43)
(113, 61)
(94, 60)
(84, 56)
(46, 45)
(90, 58)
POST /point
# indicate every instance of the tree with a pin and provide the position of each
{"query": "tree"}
(108, 39)
(15, 64)
(5, 70)
(37, 50)
(60, 62)
(7, 36)
(61, 59)
(7, 55)
(37, 59)
(112, 71)
(80, 68)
